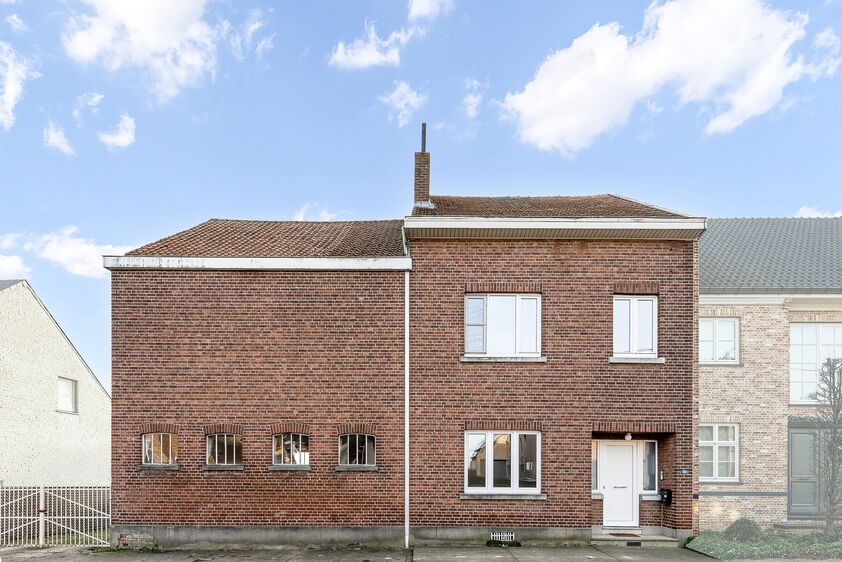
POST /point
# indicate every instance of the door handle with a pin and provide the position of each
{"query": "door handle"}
(621, 486)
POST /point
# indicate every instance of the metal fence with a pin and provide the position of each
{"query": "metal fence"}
(54, 515)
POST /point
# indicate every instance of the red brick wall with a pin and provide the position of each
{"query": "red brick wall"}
(194, 348)
(576, 386)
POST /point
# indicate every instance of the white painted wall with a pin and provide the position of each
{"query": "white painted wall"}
(38, 444)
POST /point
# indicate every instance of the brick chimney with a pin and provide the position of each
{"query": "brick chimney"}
(422, 173)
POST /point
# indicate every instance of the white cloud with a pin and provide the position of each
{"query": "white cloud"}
(14, 72)
(12, 267)
(122, 136)
(371, 50)
(79, 256)
(323, 214)
(88, 100)
(171, 41)
(473, 97)
(16, 23)
(403, 101)
(809, 212)
(54, 137)
(731, 56)
(9, 240)
(241, 40)
(265, 45)
(428, 8)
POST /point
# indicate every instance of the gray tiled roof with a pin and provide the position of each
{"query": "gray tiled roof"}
(771, 255)
(6, 283)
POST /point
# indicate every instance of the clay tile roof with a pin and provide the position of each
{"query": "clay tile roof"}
(553, 206)
(294, 239)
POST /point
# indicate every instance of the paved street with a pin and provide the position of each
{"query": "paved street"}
(428, 554)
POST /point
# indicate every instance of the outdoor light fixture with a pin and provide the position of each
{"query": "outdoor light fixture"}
(628, 436)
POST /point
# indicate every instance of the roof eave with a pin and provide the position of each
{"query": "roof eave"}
(385, 263)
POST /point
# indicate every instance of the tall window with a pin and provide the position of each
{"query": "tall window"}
(160, 448)
(67, 395)
(357, 448)
(646, 451)
(809, 346)
(503, 325)
(502, 462)
(635, 326)
(718, 340)
(718, 452)
(291, 448)
(224, 448)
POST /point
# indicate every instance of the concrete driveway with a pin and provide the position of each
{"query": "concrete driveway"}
(428, 554)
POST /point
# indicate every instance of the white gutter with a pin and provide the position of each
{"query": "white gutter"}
(276, 264)
(556, 223)
(406, 409)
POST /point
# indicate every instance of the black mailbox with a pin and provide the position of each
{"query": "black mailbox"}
(666, 496)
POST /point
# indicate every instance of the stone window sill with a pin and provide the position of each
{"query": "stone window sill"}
(488, 359)
(719, 364)
(223, 467)
(804, 404)
(637, 360)
(157, 467)
(720, 483)
(356, 468)
(597, 496)
(650, 497)
(538, 497)
(71, 412)
(289, 468)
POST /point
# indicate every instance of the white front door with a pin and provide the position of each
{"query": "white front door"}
(616, 467)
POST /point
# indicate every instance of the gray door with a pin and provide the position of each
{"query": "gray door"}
(803, 472)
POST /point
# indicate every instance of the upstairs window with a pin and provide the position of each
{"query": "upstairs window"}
(503, 325)
(635, 326)
(291, 448)
(225, 448)
(502, 462)
(718, 340)
(67, 395)
(160, 448)
(357, 448)
(809, 346)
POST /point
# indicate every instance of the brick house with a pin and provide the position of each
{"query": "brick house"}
(770, 308)
(515, 364)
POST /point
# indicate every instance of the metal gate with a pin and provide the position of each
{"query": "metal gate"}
(54, 515)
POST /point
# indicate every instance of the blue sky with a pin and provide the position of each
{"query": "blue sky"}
(123, 122)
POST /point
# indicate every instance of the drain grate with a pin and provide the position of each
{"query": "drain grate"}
(502, 536)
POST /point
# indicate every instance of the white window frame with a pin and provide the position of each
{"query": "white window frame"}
(633, 335)
(369, 462)
(159, 435)
(715, 320)
(292, 434)
(716, 443)
(519, 297)
(819, 361)
(215, 437)
(74, 396)
(489, 463)
(638, 463)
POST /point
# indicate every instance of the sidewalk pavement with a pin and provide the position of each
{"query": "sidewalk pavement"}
(421, 553)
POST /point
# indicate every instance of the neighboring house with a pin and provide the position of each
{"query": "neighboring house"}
(770, 309)
(54, 413)
(534, 356)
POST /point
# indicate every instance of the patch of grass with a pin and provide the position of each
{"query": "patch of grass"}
(769, 544)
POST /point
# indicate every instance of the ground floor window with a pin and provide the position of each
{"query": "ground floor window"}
(291, 448)
(160, 448)
(718, 452)
(502, 462)
(225, 448)
(357, 448)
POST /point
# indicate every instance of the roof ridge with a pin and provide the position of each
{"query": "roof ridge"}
(650, 205)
